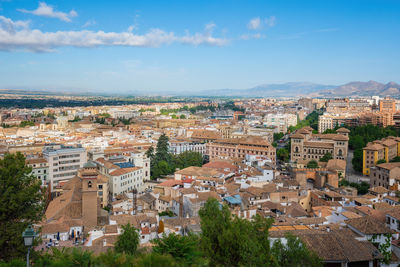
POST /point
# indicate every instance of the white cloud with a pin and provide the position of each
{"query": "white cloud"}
(48, 11)
(254, 24)
(252, 36)
(258, 23)
(210, 27)
(89, 23)
(16, 35)
(270, 22)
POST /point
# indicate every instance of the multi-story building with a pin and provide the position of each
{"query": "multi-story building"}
(308, 146)
(325, 122)
(125, 173)
(330, 121)
(267, 133)
(385, 174)
(346, 105)
(385, 149)
(382, 119)
(307, 103)
(281, 121)
(396, 120)
(240, 147)
(124, 180)
(64, 163)
(40, 169)
(387, 105)
(179, 146)
(139, 159)
(124, 114)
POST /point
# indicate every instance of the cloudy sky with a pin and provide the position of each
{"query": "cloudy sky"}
(155, 46)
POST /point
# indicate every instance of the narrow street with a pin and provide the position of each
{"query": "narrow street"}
(351, 175)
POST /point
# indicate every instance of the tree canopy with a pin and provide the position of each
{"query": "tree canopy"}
(22, 202)
(312, 164)
(227, 240)
(128, 240)
(326, 157)
(184, 249)
(163, 162)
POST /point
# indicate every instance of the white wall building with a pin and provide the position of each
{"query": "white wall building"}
(125, 180)
(177, 147)
(281, 121)
(64, 163)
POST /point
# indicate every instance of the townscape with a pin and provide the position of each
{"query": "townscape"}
(200, 133)
(155, 166)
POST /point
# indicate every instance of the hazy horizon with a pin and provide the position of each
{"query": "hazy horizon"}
(181, 46)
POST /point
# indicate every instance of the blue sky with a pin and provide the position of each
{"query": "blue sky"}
(128, 46)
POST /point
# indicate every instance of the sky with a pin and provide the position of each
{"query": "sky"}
(189, 46)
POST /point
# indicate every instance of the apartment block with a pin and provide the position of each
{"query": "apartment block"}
(385, 174)
(387, 105)
(40, 169)
(384, 149)
(179, 146)
(281, 121)
(64, 162)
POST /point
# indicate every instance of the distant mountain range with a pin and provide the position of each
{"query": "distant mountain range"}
(292, 89)
(364, 89)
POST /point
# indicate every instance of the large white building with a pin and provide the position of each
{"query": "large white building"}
(40, 169)
(179, 146)
(125, 180)
(64, 163)
(281, 121)
(124, 114)
(126, 173)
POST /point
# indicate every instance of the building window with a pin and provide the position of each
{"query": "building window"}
(90, 184)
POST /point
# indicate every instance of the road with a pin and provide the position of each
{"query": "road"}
(351, 175)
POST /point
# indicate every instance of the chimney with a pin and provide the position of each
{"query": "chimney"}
(320, 214)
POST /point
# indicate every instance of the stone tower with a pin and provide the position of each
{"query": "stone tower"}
(88, 176)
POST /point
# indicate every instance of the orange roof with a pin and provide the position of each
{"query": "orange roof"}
(171, 183)
(123, 171)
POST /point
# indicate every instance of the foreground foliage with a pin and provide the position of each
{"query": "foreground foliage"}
(232, 241)
(21, 203)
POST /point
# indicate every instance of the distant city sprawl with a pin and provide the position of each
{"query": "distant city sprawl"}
(307, 170)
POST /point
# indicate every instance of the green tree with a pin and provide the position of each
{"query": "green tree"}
(312, 164)
(182, 117)
(395, 159)
(26, 123)
(326, 157)
(187, 159)
(380, 161)
(150, 153)
(184, 249)
(162, 152)
(357, 160)
(294, 253)
(128, 240)
(153, 260)
(283, 154)
(22, 202)
(231, 241)
(104, 115)
(65, 257)
(278, 136)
